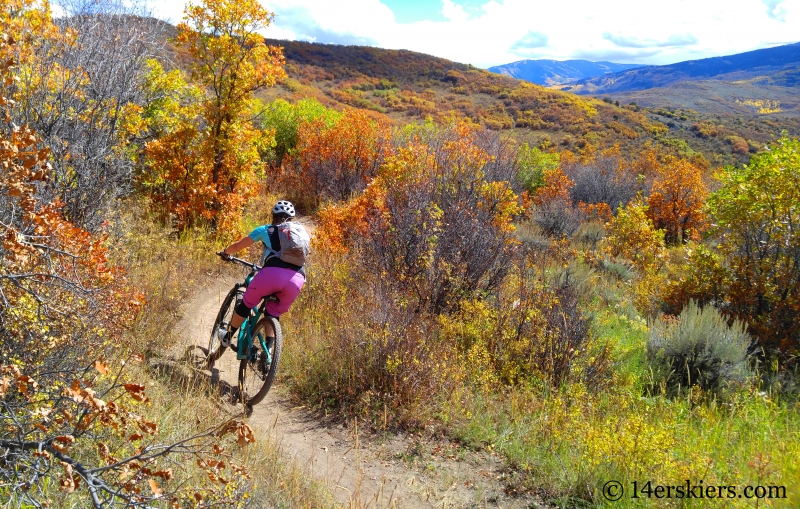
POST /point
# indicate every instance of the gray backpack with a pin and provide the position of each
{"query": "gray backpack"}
(294, 242)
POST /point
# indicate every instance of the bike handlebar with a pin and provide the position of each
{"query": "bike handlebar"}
(229, 258)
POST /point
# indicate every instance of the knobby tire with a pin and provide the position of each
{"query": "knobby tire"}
(250, 373)
(225, 313)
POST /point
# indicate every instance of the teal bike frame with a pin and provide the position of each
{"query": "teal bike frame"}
(244, 341)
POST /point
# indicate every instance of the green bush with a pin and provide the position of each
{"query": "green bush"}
(700, 349)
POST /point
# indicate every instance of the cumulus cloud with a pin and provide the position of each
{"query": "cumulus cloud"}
(301, 25)
(454, 12)
(530, 41)
(493, 32)
(633, 42)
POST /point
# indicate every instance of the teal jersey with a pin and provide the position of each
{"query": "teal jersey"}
(262, 234)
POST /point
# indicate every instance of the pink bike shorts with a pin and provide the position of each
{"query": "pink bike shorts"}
(284, 283)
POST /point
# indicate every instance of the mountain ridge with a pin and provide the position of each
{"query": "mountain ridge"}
(736, 67)
(558, 72)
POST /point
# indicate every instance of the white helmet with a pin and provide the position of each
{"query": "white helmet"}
(284, 207)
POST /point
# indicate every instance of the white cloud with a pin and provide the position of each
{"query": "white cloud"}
(454, 12)
(620, 30)
(633, 42)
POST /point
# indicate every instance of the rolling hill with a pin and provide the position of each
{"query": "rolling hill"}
(555, 72)
(407, 86)
(404, 86)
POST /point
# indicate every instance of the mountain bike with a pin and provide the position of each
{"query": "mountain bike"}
(258, 360)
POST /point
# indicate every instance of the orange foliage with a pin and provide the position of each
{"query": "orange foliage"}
(677, 199)
(432, 221)
(211, 173)
(335, 160)
(340, 224)
(556, 187)
(596, 211)
(50, 269)
(647, 163)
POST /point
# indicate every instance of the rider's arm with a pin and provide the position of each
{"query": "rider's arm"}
(237, 246)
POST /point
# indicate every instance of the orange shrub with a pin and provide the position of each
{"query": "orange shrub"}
(436, 222)
(334, 160)
(210, 173)
(677, 199)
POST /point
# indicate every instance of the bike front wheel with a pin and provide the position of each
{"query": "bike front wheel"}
(225, 315)
(256, 375)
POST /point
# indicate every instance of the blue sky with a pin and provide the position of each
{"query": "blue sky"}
(493, 32)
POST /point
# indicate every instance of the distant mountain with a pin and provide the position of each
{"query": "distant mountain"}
(555, 72)
(742, 66)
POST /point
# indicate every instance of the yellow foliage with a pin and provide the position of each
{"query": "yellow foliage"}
(633, 237)
(761, 106)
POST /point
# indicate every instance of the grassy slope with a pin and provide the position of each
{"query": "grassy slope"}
(726, 98)
(407, 86)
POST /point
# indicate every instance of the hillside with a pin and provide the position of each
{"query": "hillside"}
(763, 62)
(407, 86)
(745, 98)
(556, 72)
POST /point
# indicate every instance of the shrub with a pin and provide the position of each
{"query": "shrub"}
(334, 160)
(533, 330)
(677, 199)
(80, 87)
(554, 212)
(284, 118)
(589, 234)
(436, 222)
(699, 348)
(533, 163)
(616, 269)
(558, 218)
(603, 180)
(78, 425)
(753, 272)
(632, 236)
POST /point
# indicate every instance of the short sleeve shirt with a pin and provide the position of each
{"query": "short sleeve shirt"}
(262, 234)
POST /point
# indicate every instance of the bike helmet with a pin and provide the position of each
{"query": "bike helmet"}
(283, 207)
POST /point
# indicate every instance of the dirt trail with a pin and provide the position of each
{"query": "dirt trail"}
(361, 472)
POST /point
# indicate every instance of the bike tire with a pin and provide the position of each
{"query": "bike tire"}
(255, 380)
(225, 313)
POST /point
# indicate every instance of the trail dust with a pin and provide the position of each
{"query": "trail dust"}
(394, 471)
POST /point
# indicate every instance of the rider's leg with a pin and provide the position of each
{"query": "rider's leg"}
(239, 313)
(237, 320)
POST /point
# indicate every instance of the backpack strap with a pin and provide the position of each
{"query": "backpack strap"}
(274, 239)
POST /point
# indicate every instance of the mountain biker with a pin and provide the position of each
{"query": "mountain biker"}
(277, 277)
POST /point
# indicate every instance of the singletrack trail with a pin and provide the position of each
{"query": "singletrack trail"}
(360, 471)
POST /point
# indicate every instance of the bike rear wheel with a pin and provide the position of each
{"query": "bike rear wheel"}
(256, 376)
(225, 315)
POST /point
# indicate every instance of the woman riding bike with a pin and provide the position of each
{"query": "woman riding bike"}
(277, 277)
